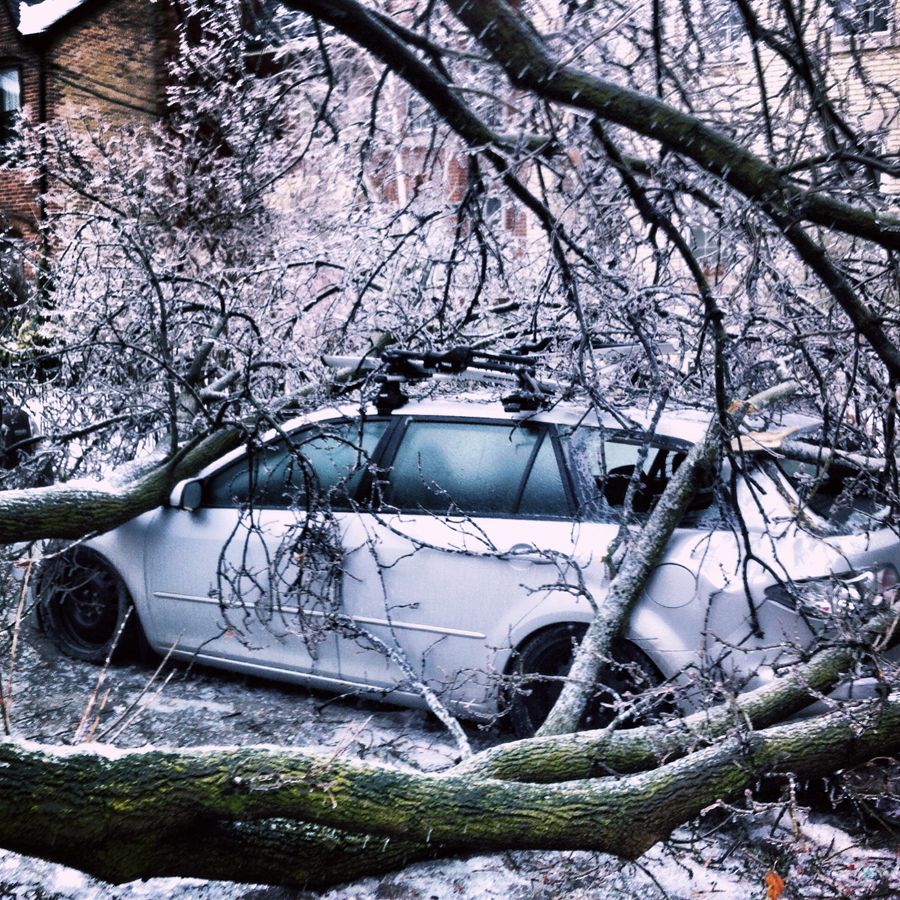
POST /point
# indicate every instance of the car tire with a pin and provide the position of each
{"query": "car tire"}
(536, 674)
(85, 608)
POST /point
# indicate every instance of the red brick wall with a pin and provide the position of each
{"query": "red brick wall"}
(107, 66)
(104, 64)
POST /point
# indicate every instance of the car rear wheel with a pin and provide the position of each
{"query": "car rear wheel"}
(85, 608)
(538, 670)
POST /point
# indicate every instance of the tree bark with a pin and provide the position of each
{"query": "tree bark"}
(79, 508)
(119, 815)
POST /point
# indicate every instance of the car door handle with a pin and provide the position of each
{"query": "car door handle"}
(530, 553)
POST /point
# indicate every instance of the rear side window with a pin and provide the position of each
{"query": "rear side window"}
(329, 460)
(476, 468)
(603, 464)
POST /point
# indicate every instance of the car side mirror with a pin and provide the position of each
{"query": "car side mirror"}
(187, 495)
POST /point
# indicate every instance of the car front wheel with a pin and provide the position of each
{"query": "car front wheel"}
(84, 606)
(540, 666)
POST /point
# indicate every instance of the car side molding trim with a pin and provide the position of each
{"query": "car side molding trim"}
(403, 626)
(317, 613)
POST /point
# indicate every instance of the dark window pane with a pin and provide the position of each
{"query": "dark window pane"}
(10, 102)
(276, 476)
(544, 493)
(13, 283)
(458, 467)
(862, 16)
(603, 465)
(235, 485)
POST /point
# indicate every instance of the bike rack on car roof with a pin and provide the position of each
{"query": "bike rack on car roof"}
(395, 367)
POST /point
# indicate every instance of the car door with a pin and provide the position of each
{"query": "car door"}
(696, 589)
(473, 531)
(254, 574)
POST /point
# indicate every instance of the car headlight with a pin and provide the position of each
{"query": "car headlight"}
(865, 591)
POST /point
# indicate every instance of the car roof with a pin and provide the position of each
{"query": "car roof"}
(685, 424)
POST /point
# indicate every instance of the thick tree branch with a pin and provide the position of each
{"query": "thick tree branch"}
(625, 589)
(588, 754)
(79, 508)
(641, 559)
(117, 810)
(520, 50)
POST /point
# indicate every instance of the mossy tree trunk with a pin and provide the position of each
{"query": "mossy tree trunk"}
(310, 818)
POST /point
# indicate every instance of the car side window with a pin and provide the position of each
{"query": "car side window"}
(330, 459)
(472, 468)
(603, 464)
(251, 475)
(545, 493)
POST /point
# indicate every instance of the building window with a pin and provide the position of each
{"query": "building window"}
(13, 286)
(704, 244)
(862, 16)
(10, 101)
(725, 24)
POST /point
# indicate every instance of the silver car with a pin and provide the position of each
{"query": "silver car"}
(461, 546)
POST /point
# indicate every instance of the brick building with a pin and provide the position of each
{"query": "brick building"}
(75, 61)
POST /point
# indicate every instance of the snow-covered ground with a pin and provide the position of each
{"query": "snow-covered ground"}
(818, 854)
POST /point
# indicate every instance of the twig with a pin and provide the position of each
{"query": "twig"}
(136, 702)
(6, 695)
(79, 735)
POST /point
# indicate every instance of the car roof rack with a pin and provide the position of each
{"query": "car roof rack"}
(395, 367)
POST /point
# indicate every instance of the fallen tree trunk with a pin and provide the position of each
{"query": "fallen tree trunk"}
(80, 508)
(140, 814)
(119, 815)
(589, 754)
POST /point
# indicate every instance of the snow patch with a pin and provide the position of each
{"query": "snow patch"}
(27, 877)
(107, 751)
(38, 17)
(177, 704)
